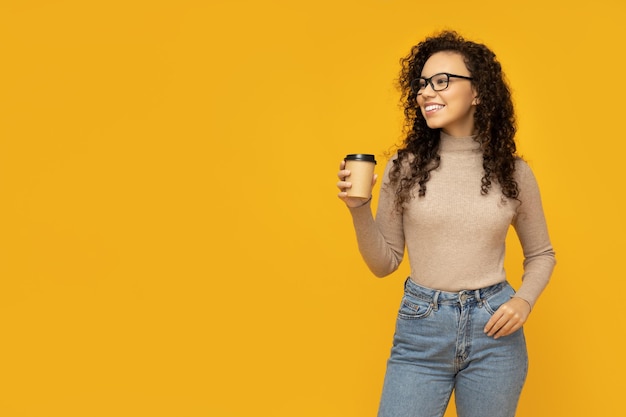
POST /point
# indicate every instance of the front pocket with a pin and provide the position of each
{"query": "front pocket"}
(494, 302)
(412, 308)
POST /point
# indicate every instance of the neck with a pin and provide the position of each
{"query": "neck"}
(458, 143)
(457, 134)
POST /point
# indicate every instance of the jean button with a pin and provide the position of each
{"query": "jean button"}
(463, 297)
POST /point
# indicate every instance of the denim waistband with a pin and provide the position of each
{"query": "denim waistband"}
(438, 297)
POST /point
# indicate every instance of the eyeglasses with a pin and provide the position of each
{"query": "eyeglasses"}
(438, 82)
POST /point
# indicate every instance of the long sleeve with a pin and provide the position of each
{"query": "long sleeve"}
(530, 226)
(454, 235)
(380, 240)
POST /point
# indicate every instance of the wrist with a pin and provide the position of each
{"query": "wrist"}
(530, 307)
(364, 203)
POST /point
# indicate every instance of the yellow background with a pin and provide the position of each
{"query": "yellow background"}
(171, 243)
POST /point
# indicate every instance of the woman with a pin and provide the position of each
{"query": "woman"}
(449, 195)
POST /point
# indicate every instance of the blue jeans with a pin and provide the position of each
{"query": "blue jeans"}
(439, 347)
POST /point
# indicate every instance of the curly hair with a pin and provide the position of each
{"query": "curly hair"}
(494, 120)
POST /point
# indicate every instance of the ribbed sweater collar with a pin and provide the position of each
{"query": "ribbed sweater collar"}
(457, 144)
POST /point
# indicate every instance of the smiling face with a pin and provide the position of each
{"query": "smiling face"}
(452, 109)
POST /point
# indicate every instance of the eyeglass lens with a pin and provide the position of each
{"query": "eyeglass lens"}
(438, 82)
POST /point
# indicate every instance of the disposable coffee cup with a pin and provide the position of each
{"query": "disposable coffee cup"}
(361, 167)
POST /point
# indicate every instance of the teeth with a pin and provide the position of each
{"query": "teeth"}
(433, 107)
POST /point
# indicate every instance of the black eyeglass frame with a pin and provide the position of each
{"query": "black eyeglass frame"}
(429, 80)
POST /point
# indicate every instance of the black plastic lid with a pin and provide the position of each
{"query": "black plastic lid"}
(360, 157)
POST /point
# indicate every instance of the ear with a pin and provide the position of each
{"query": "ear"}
(476, 100)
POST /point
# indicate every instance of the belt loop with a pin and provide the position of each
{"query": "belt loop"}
(478, 298)
(435, 302)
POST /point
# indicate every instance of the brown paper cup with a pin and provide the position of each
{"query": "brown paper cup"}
(361, 167)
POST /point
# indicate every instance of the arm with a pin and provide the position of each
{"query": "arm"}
(380, 240)
(539, 259)
(532, 231)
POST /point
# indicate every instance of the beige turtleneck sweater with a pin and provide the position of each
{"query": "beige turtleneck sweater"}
(454, 235)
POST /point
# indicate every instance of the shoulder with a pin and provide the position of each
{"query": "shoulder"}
(405, 159)
(525, 178)
(398, 159)
(523, 171)
(398, 165)
(391, 161)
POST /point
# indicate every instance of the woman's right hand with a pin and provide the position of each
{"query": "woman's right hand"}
(344, 185)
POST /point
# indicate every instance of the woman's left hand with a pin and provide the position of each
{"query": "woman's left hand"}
(509, 318)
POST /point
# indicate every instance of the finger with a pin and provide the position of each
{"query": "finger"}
(497, 324)
(502, 329)
(344, 185)
(511, 326)
(508, 323)
(499, 319)
(343, 174)
(509, 318)
(489, 327)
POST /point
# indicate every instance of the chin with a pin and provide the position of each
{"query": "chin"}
(433, 125)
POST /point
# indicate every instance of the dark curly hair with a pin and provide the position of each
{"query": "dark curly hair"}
(494, 120)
